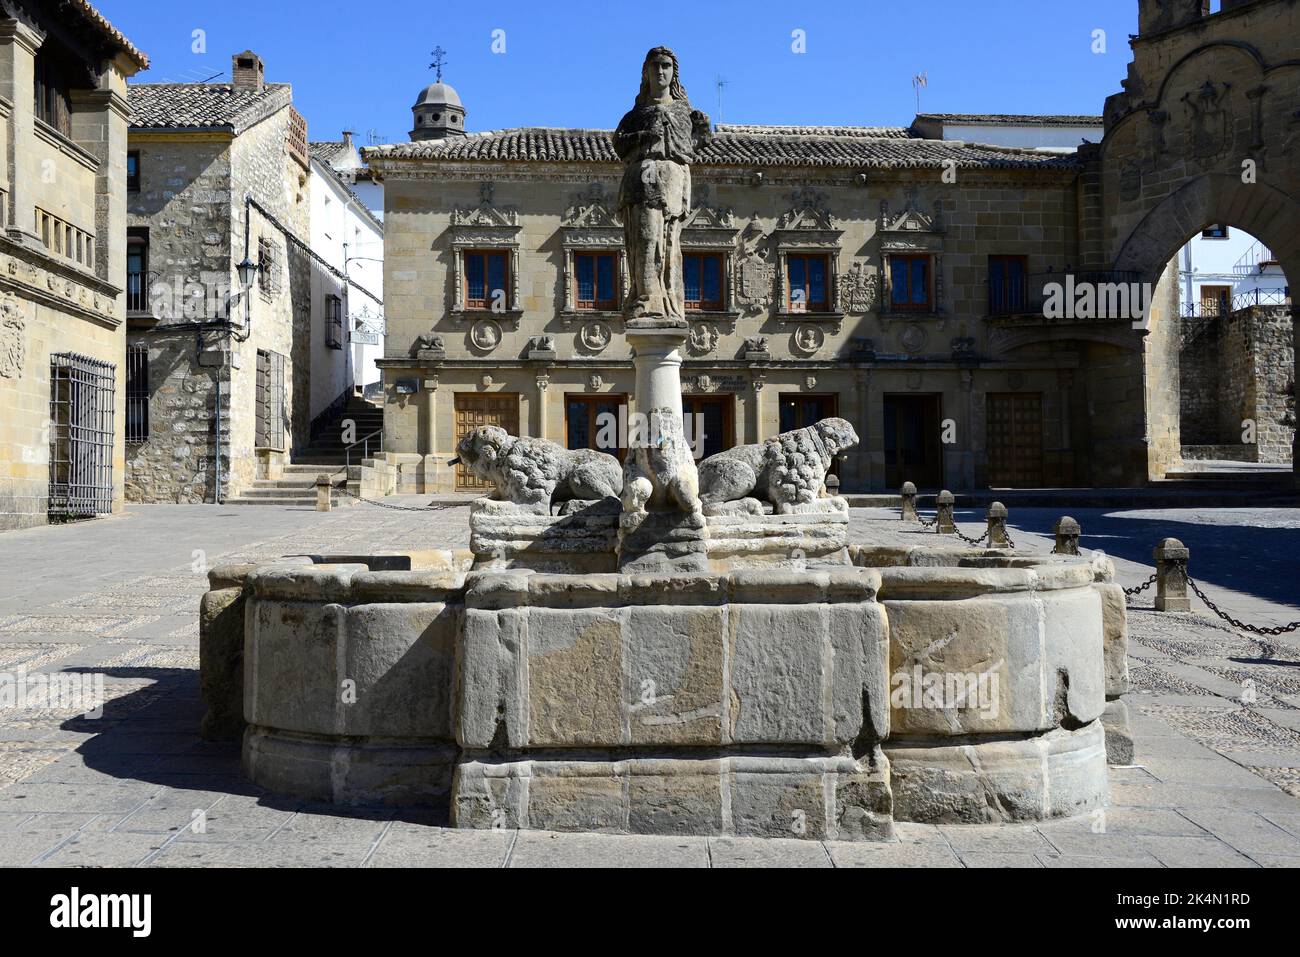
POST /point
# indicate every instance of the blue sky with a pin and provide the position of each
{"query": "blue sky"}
(576, 63)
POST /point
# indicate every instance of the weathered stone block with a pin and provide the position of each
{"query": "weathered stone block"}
(575, 680)
(221, 663)
(1047, 775)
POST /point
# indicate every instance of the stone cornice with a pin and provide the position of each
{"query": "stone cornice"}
(44, 279)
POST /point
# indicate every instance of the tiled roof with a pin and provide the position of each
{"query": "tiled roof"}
(203, 106)
(866, 132)
(110, 32)
(731, 146)
(327, 151)
(1012, 119)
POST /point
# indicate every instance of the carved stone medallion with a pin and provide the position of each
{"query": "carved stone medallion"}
(485, 335)
(594, 336)
(808, 339)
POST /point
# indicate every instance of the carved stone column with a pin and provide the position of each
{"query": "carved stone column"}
(429, 440)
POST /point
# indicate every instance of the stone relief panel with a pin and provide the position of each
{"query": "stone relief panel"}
(13, 336)
(858, 288)
(703, 338)
(755, 274)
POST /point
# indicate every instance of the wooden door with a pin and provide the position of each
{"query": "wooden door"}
(474, 410)
(1015, 439)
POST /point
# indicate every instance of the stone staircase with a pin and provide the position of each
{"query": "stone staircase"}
(326, 453)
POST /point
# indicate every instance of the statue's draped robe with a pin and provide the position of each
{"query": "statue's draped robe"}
(656, 143)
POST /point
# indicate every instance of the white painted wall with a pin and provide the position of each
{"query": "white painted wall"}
(1050, 138)
(343, 236)
(1225, 262)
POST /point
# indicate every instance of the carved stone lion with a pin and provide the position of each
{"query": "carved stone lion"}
(662, 473)
(529, 474)
(788, 470)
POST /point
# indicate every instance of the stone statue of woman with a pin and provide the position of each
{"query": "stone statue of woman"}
(657, 140)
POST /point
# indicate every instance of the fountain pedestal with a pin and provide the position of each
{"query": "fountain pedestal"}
(662, 526)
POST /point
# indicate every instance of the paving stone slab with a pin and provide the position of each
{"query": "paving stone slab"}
(407, 846)
(547, 849)
(1193, 852)
(845, 854)
(766, 852)
(266, 854)
(1249, 833)
(104, 850)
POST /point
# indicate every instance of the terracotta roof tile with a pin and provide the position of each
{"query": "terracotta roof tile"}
(214, 106)
(731, 146)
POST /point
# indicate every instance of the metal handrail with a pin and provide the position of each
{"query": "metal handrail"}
(365, 452)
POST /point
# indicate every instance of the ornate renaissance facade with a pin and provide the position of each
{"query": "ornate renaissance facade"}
(63, 128)
(878, 274)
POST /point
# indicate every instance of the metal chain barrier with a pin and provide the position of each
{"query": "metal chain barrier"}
(924, 523)
(967, 538)
(1237, 623)
(1129, 592)
(402, 508)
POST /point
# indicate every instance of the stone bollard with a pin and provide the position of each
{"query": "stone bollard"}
(1171, 576)
(943, 503)
(1067, 536)
(832, 484)
(996, 516)
(908, 491)
(323, 503)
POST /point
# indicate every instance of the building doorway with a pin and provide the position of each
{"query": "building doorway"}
(801, 409)
(1015, 439)
(912, 450)
(714, 415)
(587, 421)
(473, 410)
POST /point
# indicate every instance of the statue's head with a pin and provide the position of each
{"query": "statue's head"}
(837, 433)
(659, 74)
(482, 448)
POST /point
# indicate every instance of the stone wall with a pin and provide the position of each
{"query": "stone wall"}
(1236, 368)
(193, 202)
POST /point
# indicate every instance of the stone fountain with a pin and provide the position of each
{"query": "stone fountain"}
(673, 648)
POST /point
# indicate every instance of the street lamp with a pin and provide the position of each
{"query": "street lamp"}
(247, 272)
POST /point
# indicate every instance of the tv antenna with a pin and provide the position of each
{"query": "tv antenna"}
(721, 82)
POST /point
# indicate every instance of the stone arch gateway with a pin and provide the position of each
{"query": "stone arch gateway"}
(1206, 131)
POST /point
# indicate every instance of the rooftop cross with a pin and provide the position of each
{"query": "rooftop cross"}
(439, 58)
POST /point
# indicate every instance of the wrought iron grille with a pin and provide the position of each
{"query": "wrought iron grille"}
(81, 435)
(137, 392)
(270, 408)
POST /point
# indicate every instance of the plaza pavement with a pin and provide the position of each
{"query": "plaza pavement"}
(1216, 781)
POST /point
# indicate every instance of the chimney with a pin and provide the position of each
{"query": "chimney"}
(347, 139)
(246, 71)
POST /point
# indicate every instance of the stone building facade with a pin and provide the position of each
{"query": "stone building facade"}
(846, 214)
(926, 265)
(63, 131)
(219, 390)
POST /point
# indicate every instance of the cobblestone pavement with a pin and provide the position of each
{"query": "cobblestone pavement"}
(1216, 783)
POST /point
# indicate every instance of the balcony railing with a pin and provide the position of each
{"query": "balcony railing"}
(1253, 260)
(1225, 306)
(1026, 297)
